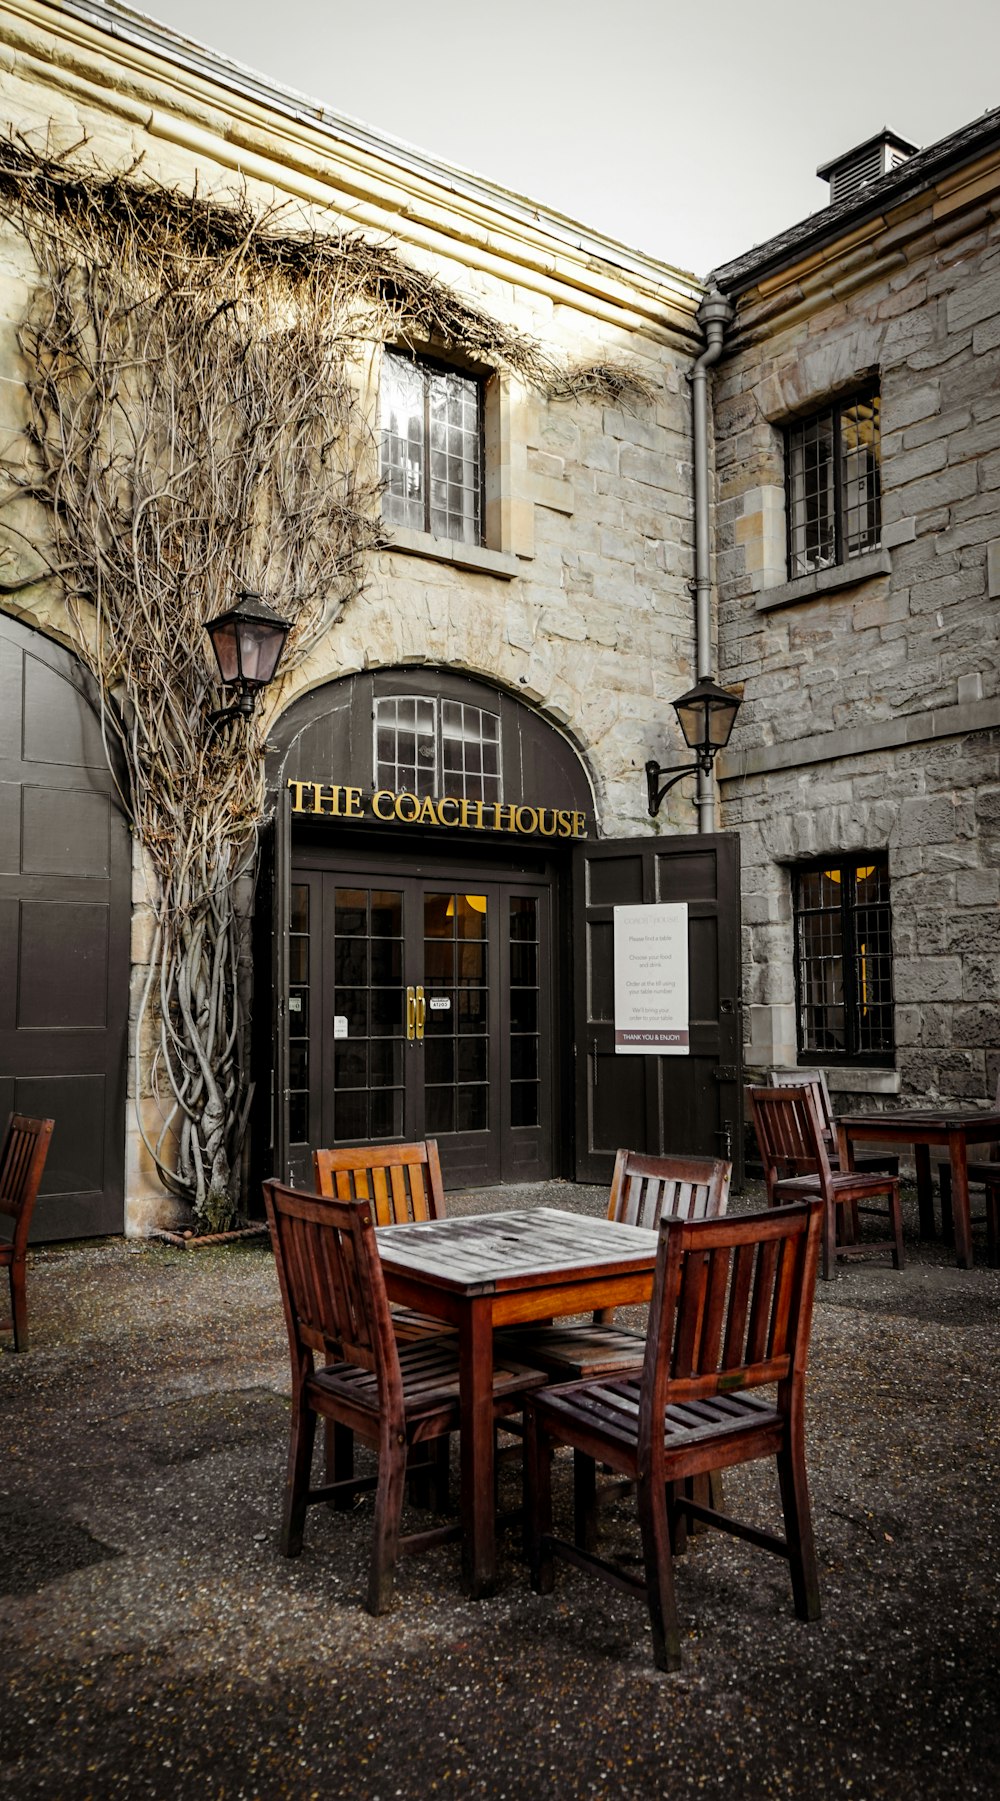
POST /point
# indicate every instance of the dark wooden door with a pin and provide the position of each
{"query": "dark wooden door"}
(65, 884)
(420, 1006)
(688, 1104)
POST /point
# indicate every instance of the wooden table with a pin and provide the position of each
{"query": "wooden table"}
(923, 1128)
(497, 1269)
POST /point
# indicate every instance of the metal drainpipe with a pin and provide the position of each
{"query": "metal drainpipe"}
(713, 316)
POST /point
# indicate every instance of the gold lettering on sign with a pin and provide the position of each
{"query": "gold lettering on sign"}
(332, 800)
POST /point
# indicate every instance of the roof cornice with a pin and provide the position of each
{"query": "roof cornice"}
(139, 32)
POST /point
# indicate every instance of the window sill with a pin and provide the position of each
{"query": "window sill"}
(446, 550)
(841, 1080)
(825, 581)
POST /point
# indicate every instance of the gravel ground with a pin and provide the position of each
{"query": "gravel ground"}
(154, 1644)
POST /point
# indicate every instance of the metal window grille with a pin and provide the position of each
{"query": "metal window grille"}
(428, 746)
(843, 959)
(432, 455)
(834, 499)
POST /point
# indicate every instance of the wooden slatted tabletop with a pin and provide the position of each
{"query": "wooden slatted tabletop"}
(494, 1252)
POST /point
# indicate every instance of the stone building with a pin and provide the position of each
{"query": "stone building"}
(457, 798)
(857, 429)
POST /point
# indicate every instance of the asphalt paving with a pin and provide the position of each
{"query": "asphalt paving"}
(154, 1643)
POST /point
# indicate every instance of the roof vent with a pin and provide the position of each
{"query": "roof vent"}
(849, 175)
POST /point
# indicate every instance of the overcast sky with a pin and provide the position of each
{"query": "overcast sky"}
(690, 132)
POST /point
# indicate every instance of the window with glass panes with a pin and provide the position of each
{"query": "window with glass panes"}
(843, 958)
(834, 492)
(432, 455)
(426, 746)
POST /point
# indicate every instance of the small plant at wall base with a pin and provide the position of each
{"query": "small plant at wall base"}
(195, 426)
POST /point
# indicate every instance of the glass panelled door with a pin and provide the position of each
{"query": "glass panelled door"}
(421, 1008)
(454, 1006)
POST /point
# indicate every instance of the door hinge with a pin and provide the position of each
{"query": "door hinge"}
(724, 1072)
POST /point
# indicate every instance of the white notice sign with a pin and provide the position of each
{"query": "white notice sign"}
(651, 980)
(340, 1025)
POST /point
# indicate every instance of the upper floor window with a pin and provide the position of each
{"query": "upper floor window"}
(425, 746)
(432, 459)
(843, 958)
(833, 482)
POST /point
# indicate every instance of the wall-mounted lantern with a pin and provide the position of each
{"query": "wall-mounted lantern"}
(248, 642)
(707, 714)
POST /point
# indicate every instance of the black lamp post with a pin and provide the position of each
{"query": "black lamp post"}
(707, 714)
(248, 642)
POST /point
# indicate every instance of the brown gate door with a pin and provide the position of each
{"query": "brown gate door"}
(65, 886)
(688, 1104)
(420, 1007)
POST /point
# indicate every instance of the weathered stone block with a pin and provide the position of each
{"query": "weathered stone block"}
(921, 979)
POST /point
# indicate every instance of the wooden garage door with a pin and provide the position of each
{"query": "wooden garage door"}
(64, 934)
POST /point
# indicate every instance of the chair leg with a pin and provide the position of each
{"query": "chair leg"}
(584, 1501)
(947, 1220)
(659, 1562)
(19, 1304)
(388, 1513)
(537, 1503)
(340, 1462)
(896, 1218)
(798, 1531)
(677, 1519)
(829, 1239)
(300, 1454)
(993, 1223)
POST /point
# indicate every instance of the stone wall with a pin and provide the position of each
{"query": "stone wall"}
(872, 693)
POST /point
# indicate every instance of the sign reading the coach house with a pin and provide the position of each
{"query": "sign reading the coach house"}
(651, 979)
(332, 800)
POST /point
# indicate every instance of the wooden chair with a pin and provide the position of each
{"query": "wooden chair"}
(731, 1311)
(22, 1160)
(985, 1171)
(643, 1190)
(393, 1397)
(796, 1166)
(795, 1078)
(403, 1182)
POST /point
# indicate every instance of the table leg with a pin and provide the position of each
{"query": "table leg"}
(476, 1408)
(958, 1153)
(925, 1189)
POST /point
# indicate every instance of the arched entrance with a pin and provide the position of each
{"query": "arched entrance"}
(425, 825)
(65, 883)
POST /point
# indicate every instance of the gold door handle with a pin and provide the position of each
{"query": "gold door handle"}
(411, 1013)
(421, 1012)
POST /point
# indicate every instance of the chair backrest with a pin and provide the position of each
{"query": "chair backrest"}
(403, 1181)
(644, 1188)
(22, 1161)
(731, 1309)
(332, 1286)
(790, 1133)
(796, 1078)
